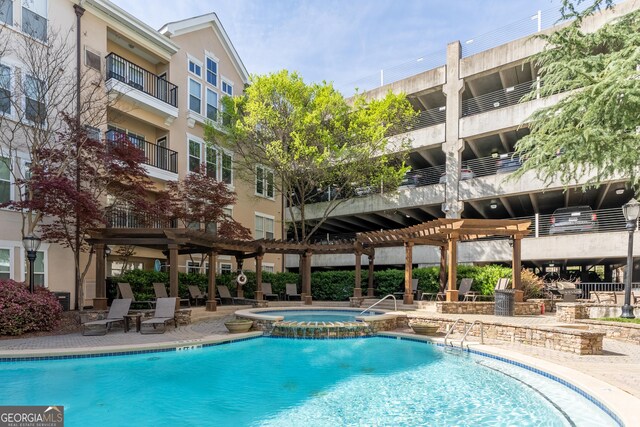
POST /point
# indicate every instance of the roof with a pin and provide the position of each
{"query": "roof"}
(196, 23)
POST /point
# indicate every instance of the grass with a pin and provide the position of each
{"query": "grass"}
(619, 319)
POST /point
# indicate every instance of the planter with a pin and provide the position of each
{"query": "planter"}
(425, 328)
(238, 326)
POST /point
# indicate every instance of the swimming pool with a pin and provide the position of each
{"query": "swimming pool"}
(284, 382)
(325, 315)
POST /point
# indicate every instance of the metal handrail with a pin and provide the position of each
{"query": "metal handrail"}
(497, 99)
(453, 327)
(395, 302)
(475, 322)
(423, 119)
(155, 155)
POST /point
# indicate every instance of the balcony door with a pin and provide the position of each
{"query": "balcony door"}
(162, 153)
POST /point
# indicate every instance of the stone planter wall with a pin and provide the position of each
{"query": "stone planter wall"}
(569, 312)
(383, 324)
(629, 332)
(529, 308)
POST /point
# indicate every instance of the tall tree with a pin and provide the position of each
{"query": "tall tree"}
(295, 139)
(593, 131)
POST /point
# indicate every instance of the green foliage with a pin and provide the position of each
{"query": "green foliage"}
(484, 278)
(387, 282)
(619, 319)
(591, 133)
(311, 138)
(332, 285)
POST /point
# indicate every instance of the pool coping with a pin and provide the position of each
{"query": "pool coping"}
(617, 403)
(256, 313)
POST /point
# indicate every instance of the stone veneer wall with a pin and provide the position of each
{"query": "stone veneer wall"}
(474, 307)
(569, 312)
(615, 330)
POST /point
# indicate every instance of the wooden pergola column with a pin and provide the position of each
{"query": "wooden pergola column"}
(259, 293)
(173, 273)
(357, 290)
(516, 269)
(211, 292)
(408, 273)
(239, 290)
(100, 301)
(443, 269)
(370, 277)
(452, 261)
(306, 277)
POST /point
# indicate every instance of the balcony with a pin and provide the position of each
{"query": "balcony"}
(120, 217)
(142, 87)
(155, 155)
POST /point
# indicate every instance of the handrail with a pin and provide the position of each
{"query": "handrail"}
(479, 322)
(395, 302)
(453, 327)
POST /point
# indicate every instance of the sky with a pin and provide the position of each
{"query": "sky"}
(348, 42)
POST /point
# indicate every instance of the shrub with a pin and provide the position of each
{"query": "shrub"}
(22, 311)
(532, 285)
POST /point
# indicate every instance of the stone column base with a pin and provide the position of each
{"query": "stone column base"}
(518, 295)
(408, 299)
(259, 296)
(212, 306)
(355, 301)
(100, 304)
(357, 292)
(452, 296)
(307, 300)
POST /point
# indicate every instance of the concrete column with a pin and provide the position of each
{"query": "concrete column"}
(306, 278)
(211, 292)
(453, 145)
(173, 273)
(357, 289)
(100, 301)
(259, 294)
(408, 273)
(452, 261)
(370, 292)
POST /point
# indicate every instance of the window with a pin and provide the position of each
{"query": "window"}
(225, 268)
(195, 96)
(212, 72)
(194, 156)
(34, 95)
(264, 227)
(264, 182)
(92, 59)
(194, 225)
(5, 180)
(195, 68)
(193, 267)
(34, 18)
(212, 162)
(227, 88)
(212, 105)
(268, 268)
(93, 133)
(6, 11)
(38, 269)
(227, 168)
(211, 228)
(5, 264)
(5, 89)
(119, 267)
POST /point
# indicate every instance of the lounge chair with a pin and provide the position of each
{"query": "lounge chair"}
(267, 292)
(125, 292)
(225, 295)
(161, 292)
(119, 308)
(165, 313)
(414, 290)
(464, 290)
(196, 294)
(292, 291)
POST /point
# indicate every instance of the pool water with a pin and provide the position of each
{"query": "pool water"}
(318, 315)
(284, 382)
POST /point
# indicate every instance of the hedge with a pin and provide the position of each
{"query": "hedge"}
(22, 311)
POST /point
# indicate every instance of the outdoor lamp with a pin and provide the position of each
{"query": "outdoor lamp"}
(31, 245)
(631, 211)
(107, 251)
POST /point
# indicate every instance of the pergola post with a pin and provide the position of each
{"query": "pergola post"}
(516, 269)
(239, 290)
(408, 273)
(452, 261)
(211, 293)
(259, 293)
(357, 290)
(306, 278)
(443, 269)
(173, 273)
(100, 301)
(370, 277)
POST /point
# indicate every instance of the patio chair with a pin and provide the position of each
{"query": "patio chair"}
(464, 290)
(267, 292)
(224, 293)
(292, 291)
(165, 312)
(161, 292)
(196, 294)
(119, 308)
(125, 292)
(414, 290)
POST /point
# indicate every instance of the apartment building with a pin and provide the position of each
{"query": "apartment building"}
(471, 114)
(162, 86)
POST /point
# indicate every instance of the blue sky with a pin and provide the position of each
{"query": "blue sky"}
(343, 40)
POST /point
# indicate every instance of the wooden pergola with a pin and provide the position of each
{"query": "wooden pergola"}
(444, 233)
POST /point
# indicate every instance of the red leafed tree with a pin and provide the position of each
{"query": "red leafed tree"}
(112, 176)
(200, 199)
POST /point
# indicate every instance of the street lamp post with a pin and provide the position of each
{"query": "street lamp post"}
(631, 212)
(31, 245)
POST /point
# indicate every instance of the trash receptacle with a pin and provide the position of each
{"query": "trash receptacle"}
(64, 298)
(504, 302)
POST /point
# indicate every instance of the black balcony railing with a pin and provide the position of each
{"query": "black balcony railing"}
(138, 78)
(120, 217)
(155, 155)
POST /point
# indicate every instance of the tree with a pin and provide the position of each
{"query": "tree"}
(592, 133)
(297, 139)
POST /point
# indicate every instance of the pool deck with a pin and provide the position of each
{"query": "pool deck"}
(618, 366)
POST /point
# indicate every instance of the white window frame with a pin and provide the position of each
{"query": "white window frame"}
(206, 71)
(268, 265)
(12, 88)
(264, 216)
(200, 143)
(192, 265)
(4, 245)
(10, 22)
(225, 264)
(44, 248)
(230, 154)
(264, 193)
(197, 62)
(24, 98)
(12, 184)
(45, 16)
(217, 108)
(228, 83)
(199, 83)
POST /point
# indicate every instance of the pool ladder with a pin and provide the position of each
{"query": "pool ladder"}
(466, 331)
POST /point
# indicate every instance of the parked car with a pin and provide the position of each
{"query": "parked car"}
(465, 173)
(576, 219)
(508, 163)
